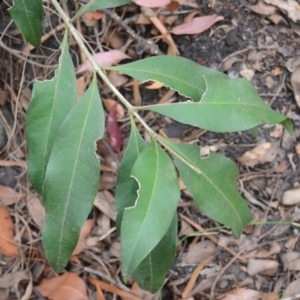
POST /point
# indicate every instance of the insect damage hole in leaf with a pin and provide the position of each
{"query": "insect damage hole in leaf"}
(147, 222)
(127, 187)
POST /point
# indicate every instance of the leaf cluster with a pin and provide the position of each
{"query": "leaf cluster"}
(65, 171)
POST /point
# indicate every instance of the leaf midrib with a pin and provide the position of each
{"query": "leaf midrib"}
(156, 73)
(142, 225)
(29, 21)
(209, 180)
(73, 175)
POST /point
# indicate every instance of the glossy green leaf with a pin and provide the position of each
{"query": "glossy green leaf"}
(227, 106)
(127, 186)
(212, 181)
(178, 73)
(150, 274)
(51, 102)
(99, 4)
(28, 16)
(72, 177)
(146, 223)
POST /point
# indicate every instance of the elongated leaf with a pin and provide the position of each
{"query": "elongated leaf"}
(150, 274)
(146, 223)
(51, 101)
(213, 183)
(178, 73)
(222, 104)
(28, 16)
(127, 186)
(227, 105)
(72, 177)
(99, 4)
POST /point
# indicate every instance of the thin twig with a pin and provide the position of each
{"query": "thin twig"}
(108, 278)
(143, 44)
(15, 53)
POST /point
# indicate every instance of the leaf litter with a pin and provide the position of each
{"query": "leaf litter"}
(258, 175)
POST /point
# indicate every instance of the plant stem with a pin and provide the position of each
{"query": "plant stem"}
(79, 40)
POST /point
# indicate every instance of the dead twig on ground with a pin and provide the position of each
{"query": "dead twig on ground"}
(143, 45)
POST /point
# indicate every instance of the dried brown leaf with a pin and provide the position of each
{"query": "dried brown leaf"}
(152, 3)
(263, 9)
(242, 294)
(80, 87)
(109, 103)
(263, 153)
(200, 251)
(36, 210)
(291, 7)
(292, 289)
(85, 231)
(105, 205)
(66, 286)
(104, 59)
(197, 25)
(8, 196)
(7, 247)
(262, 266)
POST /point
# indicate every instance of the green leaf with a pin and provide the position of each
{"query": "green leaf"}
(51, 102)
(212, 181)
(28, 16)
(288, 125)
(99, 4)
(227, 105)
(72, 177)
(150, 274)
(146, 223)
(178, 73)
(219, 104)
(127, 187)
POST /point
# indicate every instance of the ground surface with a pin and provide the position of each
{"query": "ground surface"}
(245, 44)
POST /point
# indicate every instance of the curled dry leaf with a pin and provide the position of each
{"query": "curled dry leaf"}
(197, 25)
(152, 3)
(85, 231)
(7, 247)
(104, 59)
(109, 103)
(8, 196)
(66, 286)
(114, 130)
